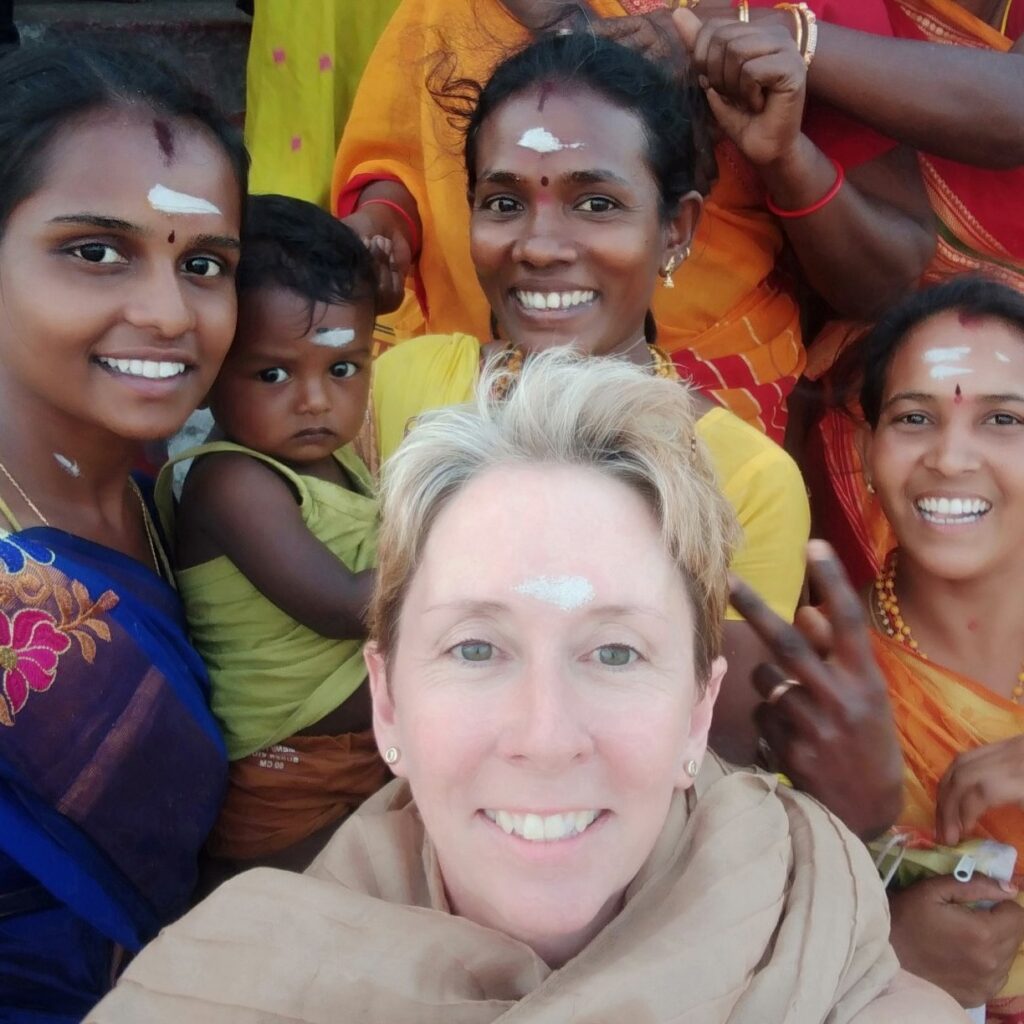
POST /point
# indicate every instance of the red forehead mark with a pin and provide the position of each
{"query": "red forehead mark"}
(972, 625)
(546, 89)
(170, 238)
(164, 139)
(958, 395)
(968, 319)
(544, 181)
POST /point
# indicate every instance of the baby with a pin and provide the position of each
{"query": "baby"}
(276, 534)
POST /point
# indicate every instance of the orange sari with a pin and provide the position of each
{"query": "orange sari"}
(732, 322)
(939, 715)
(980, 216)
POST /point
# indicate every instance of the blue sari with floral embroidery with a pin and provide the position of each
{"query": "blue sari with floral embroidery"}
(112, 768)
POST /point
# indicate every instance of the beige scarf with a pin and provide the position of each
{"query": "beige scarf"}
(755, 907)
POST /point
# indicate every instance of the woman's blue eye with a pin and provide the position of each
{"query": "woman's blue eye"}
(475, 650)
(203, 266)
(616, 655)
(97, 252)
(273, 375)
(344, 370)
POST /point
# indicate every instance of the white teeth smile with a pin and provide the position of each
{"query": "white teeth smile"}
(536, 828)
(952, 511)
(148, 368)
(554, 300)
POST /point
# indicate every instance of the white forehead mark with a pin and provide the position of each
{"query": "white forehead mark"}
(1002, 358)
(166, 200)
(945, 361)
(947, 355)
(540, 140)
(68, 465)
(944, 372)
(334, 337)
(565, 592)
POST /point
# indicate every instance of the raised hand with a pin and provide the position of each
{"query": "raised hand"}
(391, 255)
(754, 78)
(826, 712)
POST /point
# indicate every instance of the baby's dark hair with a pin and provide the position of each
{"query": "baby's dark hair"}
(974, 296)
(672, 110)
(296, 245)
(45, 88)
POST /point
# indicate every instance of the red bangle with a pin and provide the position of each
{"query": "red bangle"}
(404, 214)
(814, 207)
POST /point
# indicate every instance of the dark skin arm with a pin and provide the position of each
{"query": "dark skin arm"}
(871, 243)
(235, 506)
(388, 236)
(975, 117)
(832, 733)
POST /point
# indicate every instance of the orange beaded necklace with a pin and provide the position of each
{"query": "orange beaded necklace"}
(891, 620)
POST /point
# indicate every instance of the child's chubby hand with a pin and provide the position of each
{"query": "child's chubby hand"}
(391, 253)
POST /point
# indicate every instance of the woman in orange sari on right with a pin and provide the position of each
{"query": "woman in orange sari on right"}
(943, 446)
(969, 138)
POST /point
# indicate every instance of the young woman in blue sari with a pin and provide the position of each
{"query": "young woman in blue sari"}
(121, 193)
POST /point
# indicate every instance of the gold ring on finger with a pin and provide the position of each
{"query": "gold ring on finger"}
(779, 690)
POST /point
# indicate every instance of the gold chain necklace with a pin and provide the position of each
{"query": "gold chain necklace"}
(890, 618)
(512, 358)
(146, 523)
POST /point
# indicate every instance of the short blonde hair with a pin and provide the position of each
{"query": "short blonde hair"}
(564, 409)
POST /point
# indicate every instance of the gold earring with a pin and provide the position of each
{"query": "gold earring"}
(692, 768)
(391, 755)
(672, 264)
(870, 486)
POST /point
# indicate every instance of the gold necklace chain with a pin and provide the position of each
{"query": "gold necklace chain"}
(146, 523)
(890, 618)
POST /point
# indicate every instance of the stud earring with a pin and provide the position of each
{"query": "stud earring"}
(692, 768)
(391, 755)
(870, 487)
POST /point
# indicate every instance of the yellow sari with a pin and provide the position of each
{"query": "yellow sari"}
(731, 324)
(939, 715)
(303, 69)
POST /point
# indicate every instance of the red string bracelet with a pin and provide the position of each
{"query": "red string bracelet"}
(814, 207)
(413, 232)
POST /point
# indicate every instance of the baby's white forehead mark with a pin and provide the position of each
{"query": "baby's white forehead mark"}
(334, 337)
(540, 140)
(166, 200)
(565, 592)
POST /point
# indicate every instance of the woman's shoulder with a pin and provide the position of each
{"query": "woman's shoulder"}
(740, 449)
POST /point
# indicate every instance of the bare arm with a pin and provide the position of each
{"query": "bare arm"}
(873, 240)
(246, 511)
(957, 102)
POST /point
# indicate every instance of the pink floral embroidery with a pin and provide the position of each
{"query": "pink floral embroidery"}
(296, 143)
(326, 64)
(30, 646)
(279, 56)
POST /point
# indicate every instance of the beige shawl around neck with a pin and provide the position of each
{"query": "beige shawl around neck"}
(755, 907)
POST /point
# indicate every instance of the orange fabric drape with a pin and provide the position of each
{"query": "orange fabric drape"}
(940, 714)
(279, 796)
(731, 322)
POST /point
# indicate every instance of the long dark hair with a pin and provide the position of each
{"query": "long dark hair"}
(43, 88)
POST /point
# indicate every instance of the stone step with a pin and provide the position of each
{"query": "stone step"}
(208, 39)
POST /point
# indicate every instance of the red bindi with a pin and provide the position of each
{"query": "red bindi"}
(958, 395)
(544, 181)
(968, 319)
(164, 139)
(972, 625)
(170, 238)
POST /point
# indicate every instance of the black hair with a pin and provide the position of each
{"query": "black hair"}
(672, 110)
(970, 295)
(296, 245)
(43, 88)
